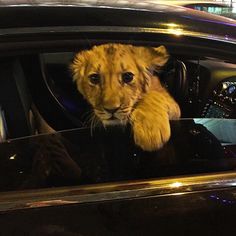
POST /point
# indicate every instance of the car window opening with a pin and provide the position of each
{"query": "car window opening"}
(73, 152)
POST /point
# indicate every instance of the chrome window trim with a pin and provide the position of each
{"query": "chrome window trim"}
(176, 31)
(28, 199)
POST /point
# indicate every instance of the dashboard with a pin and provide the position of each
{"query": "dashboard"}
(211, 88)
(222, 103)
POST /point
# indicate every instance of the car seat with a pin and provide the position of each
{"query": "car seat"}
(15, 101)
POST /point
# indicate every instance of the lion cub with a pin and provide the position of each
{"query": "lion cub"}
(118, 81)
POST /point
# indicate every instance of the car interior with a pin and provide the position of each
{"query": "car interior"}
(204, 87)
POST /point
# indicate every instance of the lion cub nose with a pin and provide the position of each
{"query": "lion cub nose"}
(111, 110)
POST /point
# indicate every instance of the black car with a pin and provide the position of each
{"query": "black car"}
(76, 180)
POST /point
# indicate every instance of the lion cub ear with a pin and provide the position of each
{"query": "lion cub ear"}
(159, 57)
(77, 67)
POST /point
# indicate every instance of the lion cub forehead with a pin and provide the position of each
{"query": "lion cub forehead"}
(111, 56)
(113, 49)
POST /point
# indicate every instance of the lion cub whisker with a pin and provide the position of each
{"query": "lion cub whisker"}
(94, 122)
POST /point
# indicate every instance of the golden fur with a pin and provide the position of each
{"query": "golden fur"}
(118, 81)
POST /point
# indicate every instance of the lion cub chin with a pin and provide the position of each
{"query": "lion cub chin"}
(118, 81)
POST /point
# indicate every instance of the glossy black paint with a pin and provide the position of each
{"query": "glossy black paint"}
(196, 213)
(124, 16)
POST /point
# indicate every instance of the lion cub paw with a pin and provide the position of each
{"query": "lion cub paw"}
(152, 134)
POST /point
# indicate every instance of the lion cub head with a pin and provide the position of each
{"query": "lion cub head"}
(114, 77)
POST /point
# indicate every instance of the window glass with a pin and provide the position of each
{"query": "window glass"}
(76, 157)
(215, 9)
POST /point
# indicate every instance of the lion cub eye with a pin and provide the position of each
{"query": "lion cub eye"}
(127, 77)
(94, 78)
